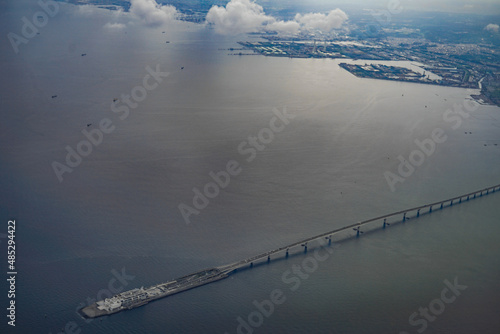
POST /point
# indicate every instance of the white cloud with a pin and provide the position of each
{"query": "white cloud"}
(244, 16)
(114, 26)
(239, 16)
(87, 10)
(323, 22)
(492, 27)
(288, 27)
(151, 13)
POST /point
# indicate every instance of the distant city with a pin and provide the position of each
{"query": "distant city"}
(455, 47)
(453, 70)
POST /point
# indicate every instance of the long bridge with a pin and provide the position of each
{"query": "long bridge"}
(138, 297)
(401, 216)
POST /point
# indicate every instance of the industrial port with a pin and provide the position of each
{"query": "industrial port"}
(455, 65)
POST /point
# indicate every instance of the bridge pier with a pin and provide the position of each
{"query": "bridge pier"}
(451, 203)
(430, 209)
(418, 213)
(268, 258)
(404, 217)
(251, 264)
(385, 223)
(305, 247)
(286, 252)
(441, 206)
(467, 198)
(329, 239)
(474, 195)
(460, 201)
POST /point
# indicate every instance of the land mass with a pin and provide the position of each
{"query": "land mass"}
(452, 69)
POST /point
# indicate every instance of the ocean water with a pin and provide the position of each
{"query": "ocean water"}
(118, 210)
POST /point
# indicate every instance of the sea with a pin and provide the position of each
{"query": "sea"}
(114, 222)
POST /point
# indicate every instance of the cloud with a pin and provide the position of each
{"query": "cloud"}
(151, 13)
(492, 28)
(239, 16)
(87, 10)
(114, 26)
(326, 23)
(288, 27)
(244, 16)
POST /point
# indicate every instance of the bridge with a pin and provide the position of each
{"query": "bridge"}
(139, 297)
(400, 216)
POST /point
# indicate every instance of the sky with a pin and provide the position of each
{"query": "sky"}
(247, 16)
(456, 6)
(480, 6)
(237, 16)
(244, 16)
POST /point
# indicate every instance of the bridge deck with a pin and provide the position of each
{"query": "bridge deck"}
(230, 267)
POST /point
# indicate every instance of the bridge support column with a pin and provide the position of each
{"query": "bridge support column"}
(329, 239)
(305, 247)
(460, 201)
(385, 223)
(481, 194)
(418, 213)
(474, 195)
(430, 209)
(251, 264)
(269, 258)
(441, 206)
(287, 252)
(404, 217)
(451, 203)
